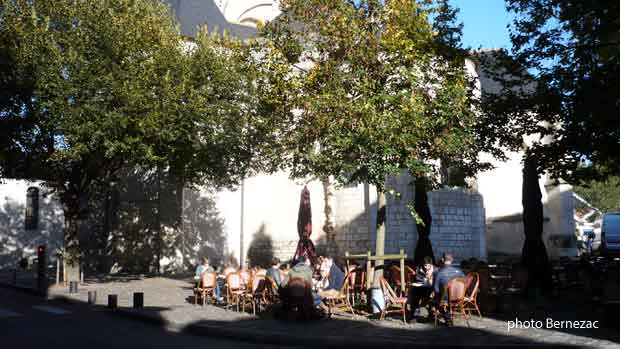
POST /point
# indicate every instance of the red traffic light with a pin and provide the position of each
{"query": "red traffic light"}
(41, 248)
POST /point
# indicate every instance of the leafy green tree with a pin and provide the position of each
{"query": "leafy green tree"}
(568, 51)
(602, 194)
(557, 83)
(374, 87)
(91, 87)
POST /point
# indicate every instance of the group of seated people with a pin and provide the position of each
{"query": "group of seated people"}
(315, 284)
(326, 280)
(430, 282)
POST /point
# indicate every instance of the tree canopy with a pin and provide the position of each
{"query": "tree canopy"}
(374, 88)
(88, 88)
(567, 53)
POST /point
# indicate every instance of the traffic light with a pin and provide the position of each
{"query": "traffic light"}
(41, 268)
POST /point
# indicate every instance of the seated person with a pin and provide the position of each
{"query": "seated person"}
(301, 270)
(335, 278)
(422, 287)
(274, 272)
(299, 278)
(202, 268)
(205, 267)
(444, 275)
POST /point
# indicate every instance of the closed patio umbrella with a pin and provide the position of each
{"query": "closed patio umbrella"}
(305, 247)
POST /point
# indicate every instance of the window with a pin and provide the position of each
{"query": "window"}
(32, 208)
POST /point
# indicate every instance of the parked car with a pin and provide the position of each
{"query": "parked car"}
(610, 233)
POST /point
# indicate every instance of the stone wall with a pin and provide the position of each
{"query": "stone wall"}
(401, 231)
(458, 223)
(352, 213)
(458, 220)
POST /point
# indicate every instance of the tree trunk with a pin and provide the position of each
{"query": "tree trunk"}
(381, 212)
(328, 226)
(423, 247)
(71, 256)
(534, 254)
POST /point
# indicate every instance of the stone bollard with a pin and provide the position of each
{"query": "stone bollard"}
(138, 300)
(112, 301)
(92, 297)
(73, 287)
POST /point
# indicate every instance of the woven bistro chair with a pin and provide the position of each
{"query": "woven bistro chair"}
(234, 290)
(340, 299)
(394, 276)
(452, 300)
(357, 284)
(246, 278)
(271, 295)
(254, 295)
(472, 288)
(394, 303)
(206, 287)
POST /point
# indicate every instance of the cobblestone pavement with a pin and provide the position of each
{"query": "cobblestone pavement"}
(170, 300)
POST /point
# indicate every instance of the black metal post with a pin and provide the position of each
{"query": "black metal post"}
(112, 301)
(41, 269)
(73, 287)
(138, 300)
(92, 297)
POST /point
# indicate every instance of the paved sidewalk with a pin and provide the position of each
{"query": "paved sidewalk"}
(168, 302)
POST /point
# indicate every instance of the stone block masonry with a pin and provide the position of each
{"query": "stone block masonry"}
(458, 223)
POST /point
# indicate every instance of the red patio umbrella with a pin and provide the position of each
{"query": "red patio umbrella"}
(305, 247)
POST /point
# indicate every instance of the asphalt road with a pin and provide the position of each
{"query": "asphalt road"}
(31, 322)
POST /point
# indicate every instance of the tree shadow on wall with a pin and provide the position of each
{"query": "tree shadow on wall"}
(123, 233)
(15, 240)
(147, 222)
(202, 231)
(260, 252)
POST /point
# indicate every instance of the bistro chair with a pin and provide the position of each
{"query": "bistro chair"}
(393, 303)
(206, 287)
(246, 278)
(357, 284)
(254, 295)
(452, 300)
(394, 273)
(271, 295)
(340, 299)
(472, 288)
(234, 290)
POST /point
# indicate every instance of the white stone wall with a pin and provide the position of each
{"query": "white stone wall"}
(270, 207)
(15, 241)
(501, 188)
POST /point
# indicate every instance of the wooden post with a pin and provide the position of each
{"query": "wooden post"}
(369, 273)
(402, 272)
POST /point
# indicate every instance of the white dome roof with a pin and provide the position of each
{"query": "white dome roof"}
(248, 12)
